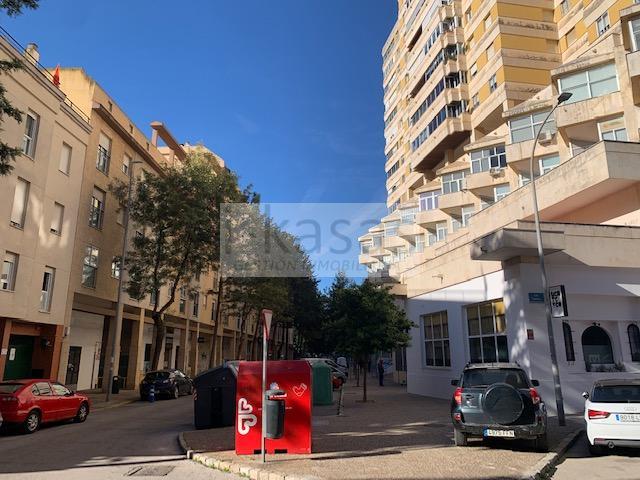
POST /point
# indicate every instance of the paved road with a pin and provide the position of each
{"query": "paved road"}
(111, 444)
(619, 464)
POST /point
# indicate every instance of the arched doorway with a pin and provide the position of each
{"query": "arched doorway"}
(596, 346)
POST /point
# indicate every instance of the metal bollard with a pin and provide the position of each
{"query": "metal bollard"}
(340, 401)
(152, 394)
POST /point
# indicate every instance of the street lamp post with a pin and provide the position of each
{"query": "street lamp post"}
(543, 271)
(115, 341)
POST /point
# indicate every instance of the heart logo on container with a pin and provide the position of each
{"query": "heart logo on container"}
(300, 389)
(246, 419)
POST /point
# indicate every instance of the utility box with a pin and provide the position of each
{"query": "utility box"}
(214, 399)
(291, 406)
(322, 384)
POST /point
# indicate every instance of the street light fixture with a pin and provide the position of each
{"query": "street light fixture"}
(564, 96)
(114, 361)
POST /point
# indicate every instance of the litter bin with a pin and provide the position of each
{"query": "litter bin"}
(322, 384)
(115, 385)
(274, 406)
(214, 401)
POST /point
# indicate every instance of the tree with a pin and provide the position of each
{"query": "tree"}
(8, 153)
(366, 320)
(179, 212)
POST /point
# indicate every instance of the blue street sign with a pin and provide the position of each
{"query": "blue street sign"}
(536, 297)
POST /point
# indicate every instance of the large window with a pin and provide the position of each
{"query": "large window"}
(634, 342)
(20, 200)
(90, 266)
(487, 327)
(429, 200)
(183, 300)
(104, 153)
(115, 267)
(47, 289)
(483, 160)
(9, 271)
(634, 30)
(549, 163)
(65, 159)
(501, 191)
(195, 304)
(391, 228)
(408, 215)
(613, 130)
(602, 23)
(441, 231)
(96, 213)
(31, 123)
(596, 347)
(436, 339)
(453, 182)
(57, 218)
(590, 83)
(568, 342)
(527, 127)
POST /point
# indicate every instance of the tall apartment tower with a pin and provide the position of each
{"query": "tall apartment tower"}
(467, 85)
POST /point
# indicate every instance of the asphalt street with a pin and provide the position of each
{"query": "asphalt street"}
(139, 439)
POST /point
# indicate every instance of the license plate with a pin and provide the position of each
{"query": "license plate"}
(499, 433)
(628, 417)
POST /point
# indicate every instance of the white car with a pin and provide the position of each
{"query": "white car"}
(612, 414)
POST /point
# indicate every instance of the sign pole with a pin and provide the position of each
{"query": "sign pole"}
(266, 324)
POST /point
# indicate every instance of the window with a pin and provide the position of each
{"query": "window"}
(394, 168)
(436, 339)
(65, 159)
(487, 327)
(634, 342)
(195, 306)
(47, 289)
(625, 392)
(527, 127)
(591, 83)
(9, 271)
(60, 390)
(475, 101)
(43, 388)
(613, 130)
(419, 239)
(634, 30)
(90, 266)
(453, 182)
(491, 50)
(564, 6)
(596, 347)
(126, 164)
(183, 300)
(429, 200)
(487, 22)
(473, 70)
(467, 213)
(571, 36)
(115, 267)
(602, 23)
(549, 163)
(408, 216)
(441, 231)
(30, 133)
(120, 215)
(104, 153)
(493, 83)
(20, 200)
(391, 228)
(365, 247)
(568, 342)
(483, 160)
(501, 191)
(96, 213)
(57, 218)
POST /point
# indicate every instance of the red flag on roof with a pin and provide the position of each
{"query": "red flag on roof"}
(56, 76)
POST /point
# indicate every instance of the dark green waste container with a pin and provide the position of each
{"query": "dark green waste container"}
(322, 386)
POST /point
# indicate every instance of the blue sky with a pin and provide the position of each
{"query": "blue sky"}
(288, 92)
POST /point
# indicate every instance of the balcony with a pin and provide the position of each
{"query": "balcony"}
(366, 259)
(482, 184)
(451, 133)
(452, 202)
(409, 231)
(589, 110)
(391, 243)
(378, 252)
(429, 218)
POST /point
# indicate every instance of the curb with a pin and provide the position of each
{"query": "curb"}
(115, 405)
(545, 466)
(184, 446)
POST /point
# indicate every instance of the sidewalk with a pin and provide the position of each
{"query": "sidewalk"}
(98, 398)
(395, 436)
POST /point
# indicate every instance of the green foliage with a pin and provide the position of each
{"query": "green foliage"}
(14, 7)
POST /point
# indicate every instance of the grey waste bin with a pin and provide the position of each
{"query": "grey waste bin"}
(214, 401)
(275, 409)
(115, 385)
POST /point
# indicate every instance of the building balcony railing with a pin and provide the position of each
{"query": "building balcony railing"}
(410, 231)
(589, 110)
(378, 252)
(428, 218)
(367, 259)
(449, 134)
(454, 201)
(394, 242)
(482, 183)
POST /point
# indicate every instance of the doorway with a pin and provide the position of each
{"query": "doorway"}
(73, 367)
(19, 357)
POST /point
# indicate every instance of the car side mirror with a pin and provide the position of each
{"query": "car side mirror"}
(585, 395)
(535, 383)
(454, 383)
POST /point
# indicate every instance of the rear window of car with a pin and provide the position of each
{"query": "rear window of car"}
(616, 394)
(483, 377)
(153, 376)
(10, 387)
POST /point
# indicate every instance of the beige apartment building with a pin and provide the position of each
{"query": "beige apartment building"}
(38, 216)
(467, 85)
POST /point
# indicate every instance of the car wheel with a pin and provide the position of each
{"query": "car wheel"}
(541, 443)
(176, 392)
(595, 450)
(83, 413)
(32, 422)
(459, 438)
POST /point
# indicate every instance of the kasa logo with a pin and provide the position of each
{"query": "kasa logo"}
(246, 418)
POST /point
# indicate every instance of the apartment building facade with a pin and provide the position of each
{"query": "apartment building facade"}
(467, 87)
(38, 216)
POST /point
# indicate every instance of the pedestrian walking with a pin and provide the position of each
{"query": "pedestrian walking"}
(381, 372)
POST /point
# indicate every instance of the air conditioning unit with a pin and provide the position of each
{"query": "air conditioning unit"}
(547, 137)
(495, 171)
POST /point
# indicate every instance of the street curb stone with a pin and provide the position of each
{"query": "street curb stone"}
(541, 469)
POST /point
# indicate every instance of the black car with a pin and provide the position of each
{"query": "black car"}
(498, 400)
(171, 383)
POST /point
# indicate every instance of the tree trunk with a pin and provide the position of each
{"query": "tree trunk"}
(160, 330)
(357, 374)
(282, 330)
(254, 341)
(240, 352)
(364, 387)
(216, 322)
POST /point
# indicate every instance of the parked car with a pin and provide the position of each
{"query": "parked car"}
(498, 400)
(171, 383)
(30, 403)
(338, 376)
(612, 414)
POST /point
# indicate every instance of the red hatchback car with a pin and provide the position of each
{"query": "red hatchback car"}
(33, 402)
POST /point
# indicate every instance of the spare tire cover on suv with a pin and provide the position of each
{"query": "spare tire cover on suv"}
(503, 403)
